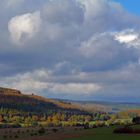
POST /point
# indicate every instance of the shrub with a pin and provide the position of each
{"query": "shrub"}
(86, 126)
(31, 134)
(136, 120)
(41, 131)
(35, 134)
(54, 130)
(16, 136)
(123, 130)
(136, 131)
(4, 136)
(18, 131)
(10, 136)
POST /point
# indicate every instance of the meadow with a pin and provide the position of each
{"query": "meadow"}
(106, 133)
(73, 133)
(32, 117)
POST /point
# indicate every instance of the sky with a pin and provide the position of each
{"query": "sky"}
(131, 5)
(71, 49)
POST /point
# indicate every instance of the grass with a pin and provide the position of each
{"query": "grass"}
(73, 134)
(107, 134)
(107, 137)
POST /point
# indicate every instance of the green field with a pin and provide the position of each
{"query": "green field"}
(107, 134)
(68, 134)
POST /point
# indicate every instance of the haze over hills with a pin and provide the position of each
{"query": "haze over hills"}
(15, 99)
(105, 105)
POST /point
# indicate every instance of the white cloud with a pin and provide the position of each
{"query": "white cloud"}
(64, 12)
(41, 80)
(90, 37)
(75, 88)
(94, 8)
(24, 27)
(129, 37)
(29, 85)
(126, 36)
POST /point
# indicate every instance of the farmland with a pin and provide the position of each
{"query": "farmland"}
(73, 133)
(32, 117)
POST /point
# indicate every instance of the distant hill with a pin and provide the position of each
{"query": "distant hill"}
(105, 106)
(14, 99)
(7, 91)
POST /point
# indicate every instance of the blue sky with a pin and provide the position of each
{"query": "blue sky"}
(131, 5)
(74, 49)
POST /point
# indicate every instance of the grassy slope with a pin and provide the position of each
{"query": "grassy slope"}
(34, 103)
(90, 106)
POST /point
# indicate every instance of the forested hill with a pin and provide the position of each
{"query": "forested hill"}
(14, 99)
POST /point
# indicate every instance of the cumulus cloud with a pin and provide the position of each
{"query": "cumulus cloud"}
(106, 52)
(95, 8)
(63, 12)
(75, 88)
(130, 37)
(41, 80)
(83, 47)
(24, 27)
(126, 36)
(28, 82)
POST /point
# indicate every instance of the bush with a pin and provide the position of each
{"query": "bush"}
(54, 130)
(10, 136)
(136, 131)
(136, 120)
(86, 126)
(18, 131)
(41, 131)
(123, 130)
(35, 134)
(4, 136)
(31, 134)
(16, 136)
